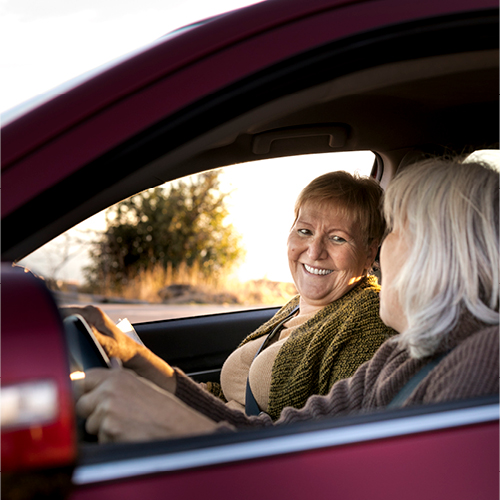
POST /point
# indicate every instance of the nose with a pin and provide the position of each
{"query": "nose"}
(317, 249)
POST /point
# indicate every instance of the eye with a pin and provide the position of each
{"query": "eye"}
(338, 239)
(304, 232)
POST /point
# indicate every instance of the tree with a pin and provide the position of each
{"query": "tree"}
(180, 224)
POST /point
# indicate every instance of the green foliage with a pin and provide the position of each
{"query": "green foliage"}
(180, 224)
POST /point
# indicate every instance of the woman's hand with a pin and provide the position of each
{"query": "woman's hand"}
(118, 345)
(119, 406)
(113, 340)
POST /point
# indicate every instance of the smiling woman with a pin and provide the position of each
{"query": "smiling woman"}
(335, 237)
(327, 255)
(333, 323)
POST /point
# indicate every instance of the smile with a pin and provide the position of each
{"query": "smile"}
(319, 272)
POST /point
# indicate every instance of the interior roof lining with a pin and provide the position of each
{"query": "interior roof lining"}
(212, 150)
(388, 75)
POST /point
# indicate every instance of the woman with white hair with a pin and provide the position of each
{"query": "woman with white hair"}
(440, 291)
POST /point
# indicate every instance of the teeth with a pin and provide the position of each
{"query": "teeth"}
(314, 270)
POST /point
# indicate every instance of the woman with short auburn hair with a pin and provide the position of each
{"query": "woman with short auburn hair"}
(355, 195)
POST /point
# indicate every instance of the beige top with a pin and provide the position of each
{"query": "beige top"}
(241, 364)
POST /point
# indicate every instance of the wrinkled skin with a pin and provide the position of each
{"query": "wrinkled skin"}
(327, 254)
(120, 406)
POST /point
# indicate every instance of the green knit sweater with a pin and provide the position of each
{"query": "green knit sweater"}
(328, 347)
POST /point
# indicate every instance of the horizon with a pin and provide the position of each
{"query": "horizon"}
(264, 229)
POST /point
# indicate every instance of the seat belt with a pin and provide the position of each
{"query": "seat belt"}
(400, 398)
(251, 406)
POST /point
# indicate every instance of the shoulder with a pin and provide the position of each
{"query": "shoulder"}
(362, 301)
(369, 284)
(364, 296)
(368, 287)
(357, 311)
(481, 344)
(470, 369)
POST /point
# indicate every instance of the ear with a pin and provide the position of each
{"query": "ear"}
(371, 254)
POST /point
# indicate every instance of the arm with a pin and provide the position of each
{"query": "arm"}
(116, 344)
(346, 396)
(120, 406)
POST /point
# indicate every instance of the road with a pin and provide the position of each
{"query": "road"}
(137, 313)
(141, 312)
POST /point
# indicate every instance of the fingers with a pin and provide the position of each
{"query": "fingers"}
(109, 344)
(92, 315)
(105, 392)
(119, 406)
(87, 403)
(112, 339)
(95, 377)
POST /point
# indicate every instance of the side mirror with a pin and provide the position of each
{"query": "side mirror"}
(39, 445)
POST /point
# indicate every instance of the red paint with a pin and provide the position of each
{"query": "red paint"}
(458, 464)
(33, 349)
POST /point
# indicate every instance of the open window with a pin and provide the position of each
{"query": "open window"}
(399, 89)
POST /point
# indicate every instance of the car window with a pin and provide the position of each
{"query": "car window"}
(210, 242)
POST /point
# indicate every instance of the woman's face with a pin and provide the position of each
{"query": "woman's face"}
(327, 254)
(392, 256)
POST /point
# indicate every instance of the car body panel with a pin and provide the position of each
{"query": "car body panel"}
(415, 466)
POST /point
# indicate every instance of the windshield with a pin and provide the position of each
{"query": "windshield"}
(40, 99)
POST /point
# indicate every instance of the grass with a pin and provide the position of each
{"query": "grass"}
(188, 285)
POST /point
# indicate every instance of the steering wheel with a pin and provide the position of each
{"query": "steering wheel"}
(84, 352)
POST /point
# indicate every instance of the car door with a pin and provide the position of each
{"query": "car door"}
(253, 82)
(200, 345)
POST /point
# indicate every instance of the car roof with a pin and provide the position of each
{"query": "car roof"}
(278, 78)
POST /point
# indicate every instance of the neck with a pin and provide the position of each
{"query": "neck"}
(306, 308)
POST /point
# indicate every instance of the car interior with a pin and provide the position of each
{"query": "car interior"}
(403, 92)
(402, 110)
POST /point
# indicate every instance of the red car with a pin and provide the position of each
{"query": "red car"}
(280, 78)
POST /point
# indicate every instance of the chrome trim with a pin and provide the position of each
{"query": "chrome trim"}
(203, 372)
(270, 446)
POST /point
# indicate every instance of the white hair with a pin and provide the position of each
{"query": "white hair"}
(449, 214)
